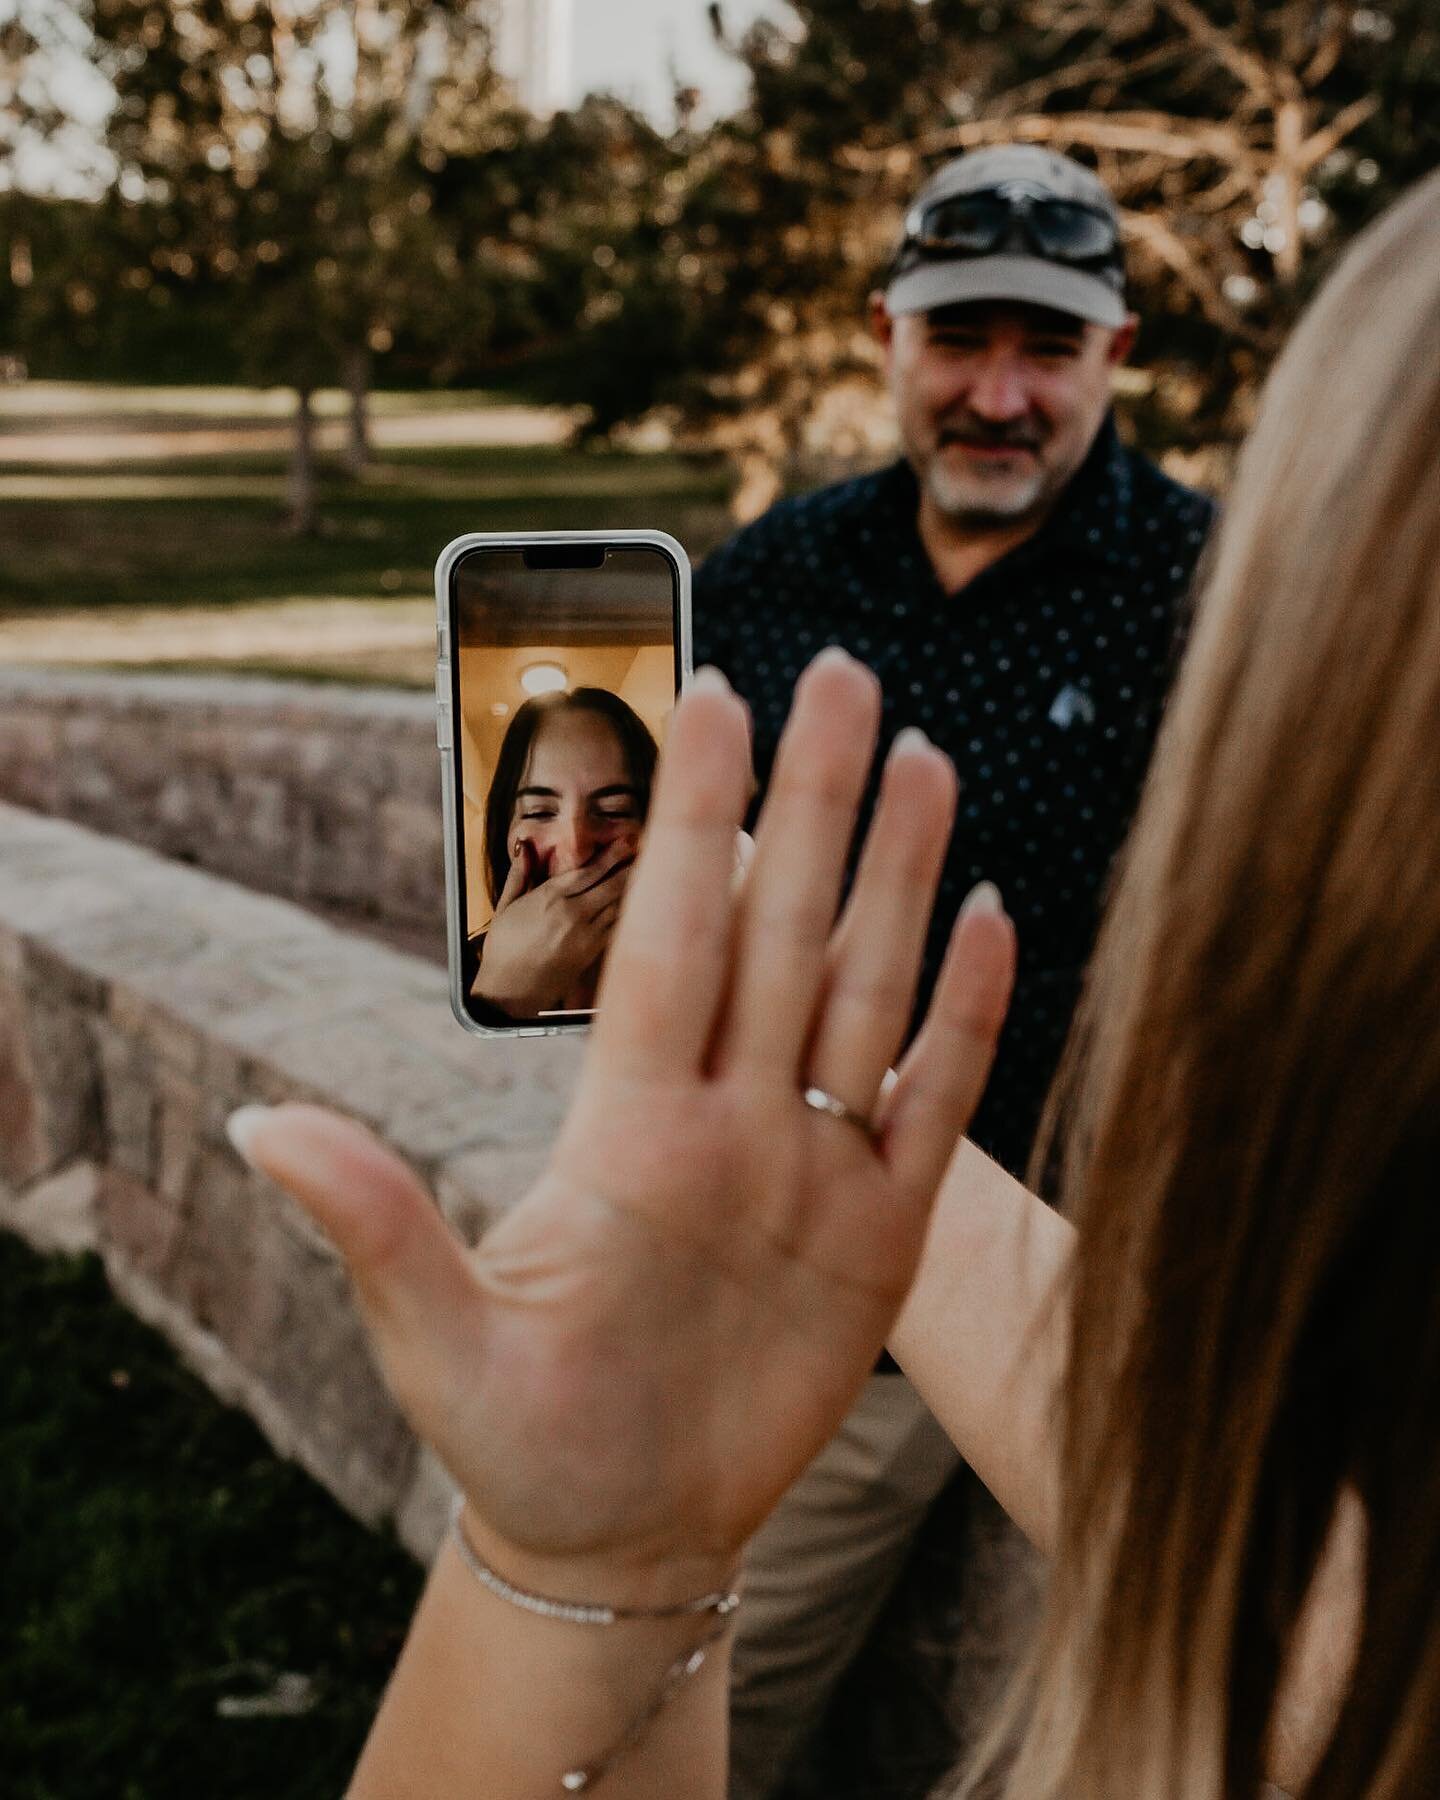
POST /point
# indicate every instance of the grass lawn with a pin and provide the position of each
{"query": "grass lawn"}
(378, 537)
(194, 517)
(162, 1573)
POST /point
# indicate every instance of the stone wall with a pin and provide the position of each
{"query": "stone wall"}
(142, 1001)
(324, 795)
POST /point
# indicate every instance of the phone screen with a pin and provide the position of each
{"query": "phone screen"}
(565, 662)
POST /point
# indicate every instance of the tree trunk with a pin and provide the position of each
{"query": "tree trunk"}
(357, 385)
(1289, 155)
(300, 485)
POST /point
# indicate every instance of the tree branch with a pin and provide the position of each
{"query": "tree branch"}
(1154, 134)
(1266, 81)
(1320, 143)
(1157, 237)
(1330, 48)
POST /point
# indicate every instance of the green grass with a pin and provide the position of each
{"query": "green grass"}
(156, 1559)
(64, 553)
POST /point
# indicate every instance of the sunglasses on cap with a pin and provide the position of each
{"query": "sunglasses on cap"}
(980, 223)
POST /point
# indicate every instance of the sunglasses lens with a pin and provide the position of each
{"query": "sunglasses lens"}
(972, 224)
(1071, 233)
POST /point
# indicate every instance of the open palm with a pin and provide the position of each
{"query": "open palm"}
(634, 1363)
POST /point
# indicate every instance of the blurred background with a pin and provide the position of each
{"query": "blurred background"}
(292, 292)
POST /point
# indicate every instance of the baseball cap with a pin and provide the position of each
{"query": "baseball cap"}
(1017, 267)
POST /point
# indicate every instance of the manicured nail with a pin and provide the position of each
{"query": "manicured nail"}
(709, 680)
(242, 1125)
(833, 656)
(908, 739)
(984, 897)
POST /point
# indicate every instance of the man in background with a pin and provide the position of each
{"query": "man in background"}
(1016, 580)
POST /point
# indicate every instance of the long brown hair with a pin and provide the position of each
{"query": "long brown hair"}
(1249, 1116)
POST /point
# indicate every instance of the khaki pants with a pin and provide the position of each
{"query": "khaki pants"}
(819, 1570)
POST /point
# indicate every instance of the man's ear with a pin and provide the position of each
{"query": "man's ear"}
(1122, 341)
(882, 326)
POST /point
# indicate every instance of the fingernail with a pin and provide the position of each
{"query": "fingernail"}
(242, 1124)
(984, 897)
(908, 739)
(832, 653)
(709, 680)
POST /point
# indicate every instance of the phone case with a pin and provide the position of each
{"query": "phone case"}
(447, 697)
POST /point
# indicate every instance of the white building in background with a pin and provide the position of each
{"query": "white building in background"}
(534, 48)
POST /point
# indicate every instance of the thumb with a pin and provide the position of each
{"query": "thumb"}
(409, 1270)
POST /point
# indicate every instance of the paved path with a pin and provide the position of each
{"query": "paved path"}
(27, 437)
(282, 631)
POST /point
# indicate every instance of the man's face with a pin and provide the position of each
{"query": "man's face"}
(998, 404)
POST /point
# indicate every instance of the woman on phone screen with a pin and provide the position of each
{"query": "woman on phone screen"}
(563, 820)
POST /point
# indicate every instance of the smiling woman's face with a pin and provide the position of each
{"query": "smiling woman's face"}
(576, 798)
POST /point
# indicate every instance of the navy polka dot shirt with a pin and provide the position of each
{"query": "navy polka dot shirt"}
(1043, 678)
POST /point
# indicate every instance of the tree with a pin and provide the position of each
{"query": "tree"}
(1246, 145)
(288, 150)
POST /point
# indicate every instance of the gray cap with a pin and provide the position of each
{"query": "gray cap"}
(1017, 271)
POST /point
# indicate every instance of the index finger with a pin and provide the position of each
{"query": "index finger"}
(613, 859)
(669, 957)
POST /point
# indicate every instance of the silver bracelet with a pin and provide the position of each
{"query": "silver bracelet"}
(721, 1604)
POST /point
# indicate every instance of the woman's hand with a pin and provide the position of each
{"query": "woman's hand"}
(636, 1361)
(544, 938)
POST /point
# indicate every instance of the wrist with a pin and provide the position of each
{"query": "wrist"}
(627, 1579)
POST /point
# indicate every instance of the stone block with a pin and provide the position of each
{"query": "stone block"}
(180, 1135)
(263, 812)
(169, 1042)
(416, 766)
(22, 1150)
(316, 1363)
(411, 882)
(215, 1272)
(385, 1082)
(56, 1216)
(477, 1187)
(49, 1092)
(129, 941)
(60, 981)
(127, 1095)
(338, 848)
(30, 763)
(135, 1225)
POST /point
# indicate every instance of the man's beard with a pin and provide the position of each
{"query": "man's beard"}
(967, 497)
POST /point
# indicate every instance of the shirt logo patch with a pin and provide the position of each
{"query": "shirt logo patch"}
(1070, 704)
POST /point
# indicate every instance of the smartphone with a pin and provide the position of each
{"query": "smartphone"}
(560, 654)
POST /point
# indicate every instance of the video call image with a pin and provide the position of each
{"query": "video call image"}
(567, 677)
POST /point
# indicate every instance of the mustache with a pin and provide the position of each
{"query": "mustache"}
(967, 429)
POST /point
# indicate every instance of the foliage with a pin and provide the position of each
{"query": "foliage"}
(349, 180)
(1245, 143)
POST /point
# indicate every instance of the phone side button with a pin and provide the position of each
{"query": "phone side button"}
(442, 703)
